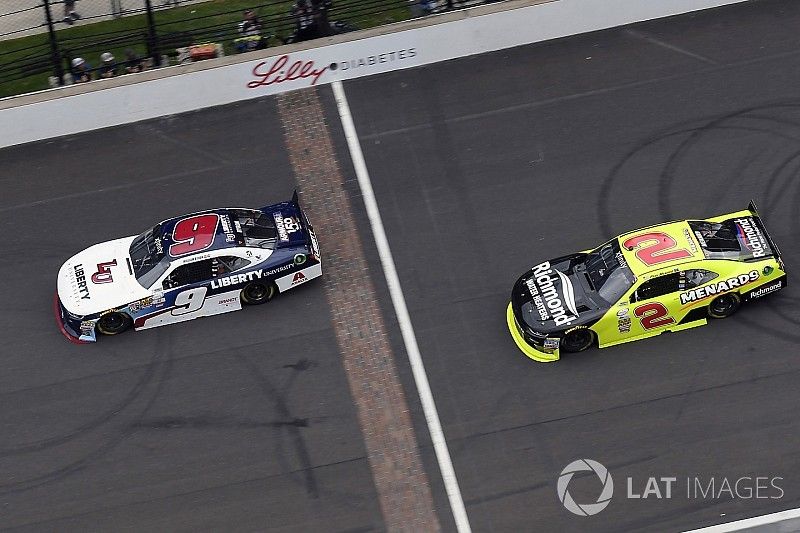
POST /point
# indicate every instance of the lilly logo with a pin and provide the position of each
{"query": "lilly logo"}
(585, 509)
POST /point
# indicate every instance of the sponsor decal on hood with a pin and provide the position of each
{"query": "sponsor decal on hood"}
(97, 279)
(549, 303)
(80, 282)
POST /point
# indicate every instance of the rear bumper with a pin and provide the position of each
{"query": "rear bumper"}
(71, 329)
(535, 353)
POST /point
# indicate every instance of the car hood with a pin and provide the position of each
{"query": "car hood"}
(84, 290)
(551, 296)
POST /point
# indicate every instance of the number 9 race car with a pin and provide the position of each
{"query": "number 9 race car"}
(666, 277)
(197, 265)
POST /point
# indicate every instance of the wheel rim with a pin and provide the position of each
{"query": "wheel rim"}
(723, 305)
(257, 293)
(578, 340)
(112, 323)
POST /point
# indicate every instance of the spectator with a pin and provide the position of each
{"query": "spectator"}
(81, 70)
(250, 25)
(70, 15)
(250, 30)
(420, 8)
(108, 67)
(133, 63)
(311, 20)
(303, 13)
(320, 15)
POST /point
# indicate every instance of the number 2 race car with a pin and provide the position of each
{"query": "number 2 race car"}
(666, 277)
(187, 267)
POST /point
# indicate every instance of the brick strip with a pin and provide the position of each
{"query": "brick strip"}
(400, 479)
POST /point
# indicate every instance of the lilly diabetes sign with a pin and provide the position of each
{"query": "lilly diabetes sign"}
(718, 488)
(314, 67)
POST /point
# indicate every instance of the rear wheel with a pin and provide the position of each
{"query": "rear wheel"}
(257, 293)
(724, 305)
(113, 323)
(577, 340)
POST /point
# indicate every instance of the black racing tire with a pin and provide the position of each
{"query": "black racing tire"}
(114, 323)
(724, 305)
(257, 293)
(577, 340)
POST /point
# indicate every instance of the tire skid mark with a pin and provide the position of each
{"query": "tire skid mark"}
(693, 130)
(279, 401)
(106, 447)
(130, 397)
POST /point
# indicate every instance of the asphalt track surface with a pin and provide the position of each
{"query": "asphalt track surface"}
(482, 167)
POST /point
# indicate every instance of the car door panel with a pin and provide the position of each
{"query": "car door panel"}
(187, 302)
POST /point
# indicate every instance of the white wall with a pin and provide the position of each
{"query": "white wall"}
(474, 34)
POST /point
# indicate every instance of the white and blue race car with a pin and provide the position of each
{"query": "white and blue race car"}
(186, 267)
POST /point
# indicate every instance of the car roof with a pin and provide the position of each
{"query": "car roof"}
(670, 244)
(221, 235)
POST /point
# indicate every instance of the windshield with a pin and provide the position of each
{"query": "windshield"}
(147, 257)
(608, 272)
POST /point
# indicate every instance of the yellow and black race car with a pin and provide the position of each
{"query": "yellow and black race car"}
(667, 277)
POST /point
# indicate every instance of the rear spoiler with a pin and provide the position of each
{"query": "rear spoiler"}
(312, 240)
(754, 211)
(296, 201)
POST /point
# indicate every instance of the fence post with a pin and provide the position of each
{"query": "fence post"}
(116, 8)
(152, 36)
(58, 68)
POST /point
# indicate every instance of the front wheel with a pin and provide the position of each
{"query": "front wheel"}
(257, 293)
(724, 305)
(113, 323)
(577, 340)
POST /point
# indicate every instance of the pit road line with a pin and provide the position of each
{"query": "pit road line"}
(401, 310)
(368, 358)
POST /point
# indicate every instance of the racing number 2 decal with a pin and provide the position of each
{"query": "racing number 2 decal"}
(193, 234)
(653, 248)
(653, 315)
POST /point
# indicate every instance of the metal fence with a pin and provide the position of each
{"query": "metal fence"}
(39, 39)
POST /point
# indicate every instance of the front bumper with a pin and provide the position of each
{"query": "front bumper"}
(534, 352)
(73, 329)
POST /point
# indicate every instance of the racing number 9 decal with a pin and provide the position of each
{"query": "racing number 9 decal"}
(193, 234)
(189, 301)
(653, 315)
(103, 274)
(651, 248)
